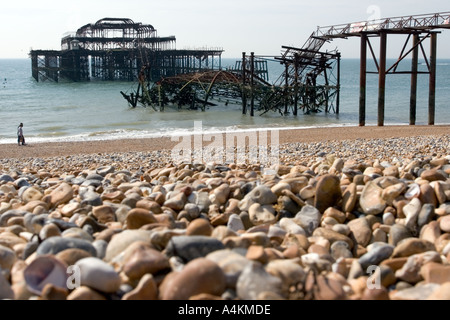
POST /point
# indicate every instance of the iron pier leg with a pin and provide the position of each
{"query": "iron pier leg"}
(362, 81)
(338, 102)
(244, 82)
(413, 99)
(382, 79)
(432, 99)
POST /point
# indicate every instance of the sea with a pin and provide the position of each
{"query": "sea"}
(96, 110)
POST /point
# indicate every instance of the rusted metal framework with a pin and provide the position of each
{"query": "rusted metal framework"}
(418, 28)
(117, 49)
(191, 90)
(248, 83)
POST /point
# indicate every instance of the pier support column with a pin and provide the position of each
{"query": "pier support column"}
(296, 63)
(413, 99)
(244, 83)
(252, 83)
(338, 98)
(382, 79)
(432, 98)
(362, 81)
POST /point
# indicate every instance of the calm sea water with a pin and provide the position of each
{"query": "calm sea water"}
(97, 111)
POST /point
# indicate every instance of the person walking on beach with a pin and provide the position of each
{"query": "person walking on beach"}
(20, 136)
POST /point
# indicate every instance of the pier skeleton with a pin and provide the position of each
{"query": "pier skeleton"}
(117, 49)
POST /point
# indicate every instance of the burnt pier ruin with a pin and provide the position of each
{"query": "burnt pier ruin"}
(117, 49)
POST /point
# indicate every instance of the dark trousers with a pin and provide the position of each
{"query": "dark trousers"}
(21, 139)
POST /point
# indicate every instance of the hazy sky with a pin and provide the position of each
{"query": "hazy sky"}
(260, 26)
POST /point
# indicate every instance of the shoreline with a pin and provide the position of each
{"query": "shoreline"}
(308, 135)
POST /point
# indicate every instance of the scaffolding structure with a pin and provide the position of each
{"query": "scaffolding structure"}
(117, 49)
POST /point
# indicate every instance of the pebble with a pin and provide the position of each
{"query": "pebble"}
(444, 224)
(189, 248)
(416, 293)
(410, 246)
(371, 200)
(410, 272)
(261, 214)
(199, 276)
(7, 258)
(255, 281)
(308, 219)
(137, 218)
(146, 290)
(361, 231)
(376, 256)
(328, 192)
(122, 240)
(54, 245)
(434, 272)
(144, 260)
(397, 233)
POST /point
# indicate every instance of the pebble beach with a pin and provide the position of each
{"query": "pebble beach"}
(349, 213)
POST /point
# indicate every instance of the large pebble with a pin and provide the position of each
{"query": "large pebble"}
(328, 192)
(349, 198)
(137, 218)
(199, 276)
(444, 224)
(231, 262)
(376, 256)
(333, 236)
(410, 246)
(189, 248)
(255, 280)
(290, 272)
(261, 195)
(260, 215)
(411, 211)
(145, 260)
(61, 195)
(371, 200)
(121, 241)
(146, 290)
(397, 233)
(308, 218)
(361, 230)
(7, 258)
(6, 292)
(55, 245)
(434, 272)
(416, 293)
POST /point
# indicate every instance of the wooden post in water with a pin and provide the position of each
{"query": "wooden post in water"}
(413, 99)
(382, 79)
(432, 98)
(286, 88)
(244, 83)
(296, 84)
(362, 81)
